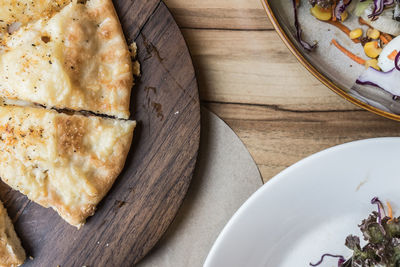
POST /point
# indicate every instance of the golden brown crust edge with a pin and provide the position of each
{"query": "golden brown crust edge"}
(18, 256)
(103, 9)
(115, 165)
(110, 89)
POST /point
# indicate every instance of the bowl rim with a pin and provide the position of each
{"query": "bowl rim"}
(321, 77)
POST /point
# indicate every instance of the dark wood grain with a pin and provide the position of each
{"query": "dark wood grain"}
(147, 195)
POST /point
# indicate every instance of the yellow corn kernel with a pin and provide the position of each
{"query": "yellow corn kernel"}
(373, 33)
(345, 15)
(372, 63)
(321, 13)
(356, 33)
(372, 49)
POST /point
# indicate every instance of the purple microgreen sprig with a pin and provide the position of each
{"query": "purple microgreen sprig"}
(381, 231)
(341, 259)
(376, 201)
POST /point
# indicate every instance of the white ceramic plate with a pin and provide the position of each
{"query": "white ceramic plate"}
(311, 207)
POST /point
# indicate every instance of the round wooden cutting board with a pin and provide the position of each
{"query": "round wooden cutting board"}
(148, 193)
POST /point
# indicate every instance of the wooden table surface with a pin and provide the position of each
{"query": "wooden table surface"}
(249, 78)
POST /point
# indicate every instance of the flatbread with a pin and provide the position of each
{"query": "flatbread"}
(77, 59)
(14, 14)
(11, 252)
(67, 162)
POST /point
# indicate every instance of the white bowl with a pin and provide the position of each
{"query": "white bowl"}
(309, 208)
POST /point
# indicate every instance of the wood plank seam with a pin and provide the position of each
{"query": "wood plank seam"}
(226, 29)
(278, 108)
(148, 19)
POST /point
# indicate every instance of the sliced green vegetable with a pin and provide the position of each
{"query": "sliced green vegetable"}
(361, 7)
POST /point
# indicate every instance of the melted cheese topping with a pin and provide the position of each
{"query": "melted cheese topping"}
(61, 161)
(11, 251)
(25, 11)
(78, 59)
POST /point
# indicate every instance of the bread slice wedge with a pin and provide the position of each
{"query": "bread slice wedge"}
(14, 14)
(76, 59)
(11, 252)
(67, 162)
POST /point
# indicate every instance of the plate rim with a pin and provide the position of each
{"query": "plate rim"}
(316, 73)
(277, 178)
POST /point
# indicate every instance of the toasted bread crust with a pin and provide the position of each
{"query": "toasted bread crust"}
(11, 251)
(77, 59)
(67, 162)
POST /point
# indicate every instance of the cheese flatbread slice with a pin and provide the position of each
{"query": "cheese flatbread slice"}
(11, 252)
(78, 59)
(67, 162)
(22, 12)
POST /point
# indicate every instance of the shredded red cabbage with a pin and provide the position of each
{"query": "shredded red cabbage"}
(379, 6)
(388, 81)
(340, 261)
(396, 61)
(341, 7)
(303, 43)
